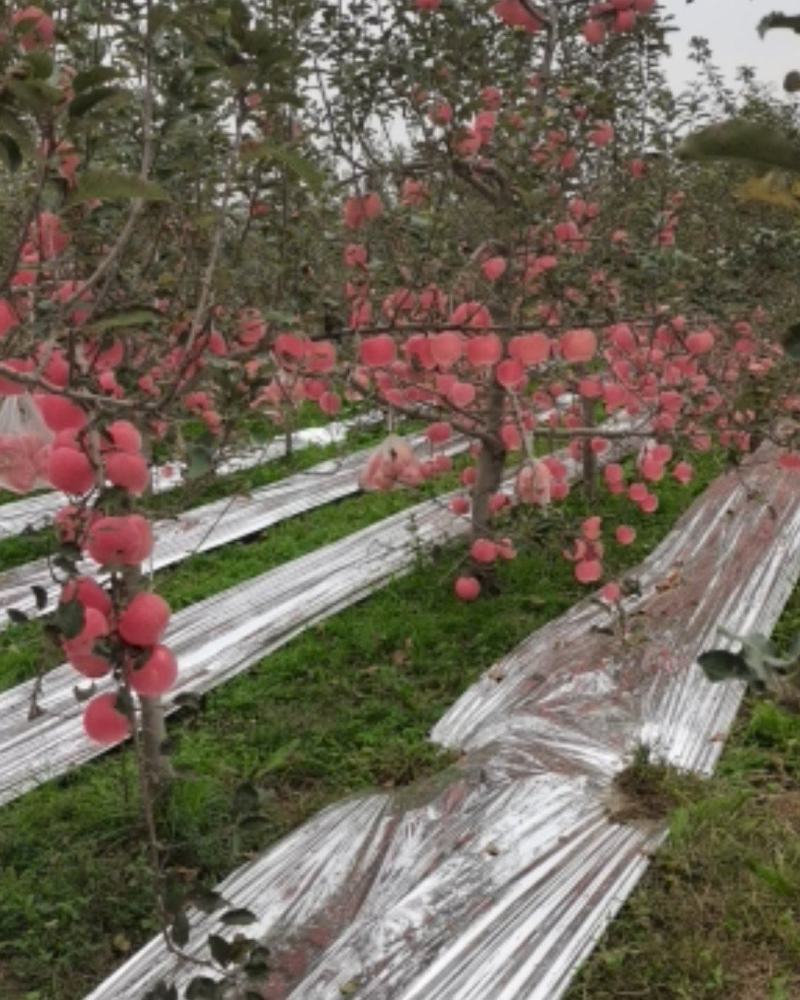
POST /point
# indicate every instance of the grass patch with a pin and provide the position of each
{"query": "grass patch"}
(343, 708)
(647, 790)
(717, 915)
(24, 648)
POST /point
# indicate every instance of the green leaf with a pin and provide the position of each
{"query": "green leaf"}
(35, 95)
(761, 658)
(298, 165)
(83, 694)
(179, 931)
(93, 77)
(239, 19)
(722, 665)
(174, 895)
(162, 992)
(14, 127)
(220, 950)
(203, 988)
(239, 917)
(41, 64)
(133, 317)
(738, 139)
(83, 103)
(160, 17)
(791, 342)
(111, 186)
(791, 21)
(206, 900)
(199, 461)
(258, 962)
(69, 618)
(40, 596)
(10, 152)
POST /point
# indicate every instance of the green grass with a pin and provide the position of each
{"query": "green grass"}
(717, 916)
(343, 708)
(24, 648)
(648, 790)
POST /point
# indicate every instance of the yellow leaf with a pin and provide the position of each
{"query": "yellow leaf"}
(771, 189)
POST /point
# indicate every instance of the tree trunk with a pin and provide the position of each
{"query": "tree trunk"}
(589, 457)
(491, 463)
(158, 770)
(157, 766)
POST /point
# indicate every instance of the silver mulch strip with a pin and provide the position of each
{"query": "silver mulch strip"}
(497, 878)
(37, 511)
(218, 638)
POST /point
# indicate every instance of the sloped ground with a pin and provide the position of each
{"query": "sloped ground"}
(497, 880)
(344, 707)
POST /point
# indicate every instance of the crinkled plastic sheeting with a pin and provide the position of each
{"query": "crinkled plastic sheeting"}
(494, 880)
(202, 529)
(218, 638)
(38, 511)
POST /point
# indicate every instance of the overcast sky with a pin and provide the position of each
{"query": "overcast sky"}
(730, 26)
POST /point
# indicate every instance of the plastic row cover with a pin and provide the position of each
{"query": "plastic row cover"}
(493, 881)
(38, 511)
(202, 529)
(225, 634)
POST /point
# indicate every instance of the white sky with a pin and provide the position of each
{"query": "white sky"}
(730, 27)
